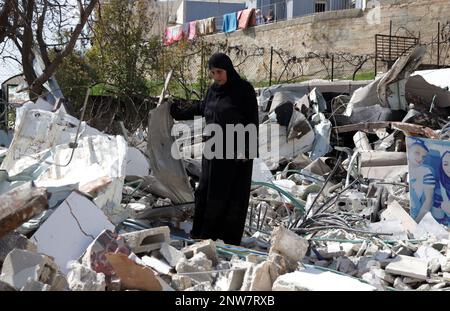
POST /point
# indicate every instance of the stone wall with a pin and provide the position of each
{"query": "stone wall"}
(304, 46)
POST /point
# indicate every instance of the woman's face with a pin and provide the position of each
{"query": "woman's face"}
(219, 75)
(418, 154)
(446, 164)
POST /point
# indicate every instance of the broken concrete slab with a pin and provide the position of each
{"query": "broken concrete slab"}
(208, 247)
(144, 241)
(396, 211)
(198, 268)
(262, 280)
(428, 253)
(393, 226)
(156, 264)
(21, 266)
(138, 210)
(132, 275)
(288, 244)
(19, 205)
(14, 240)
(312, 279)
(171, 254)
(70, 229)
(408, 266)
(181, 282)
(428, 226)
(82, 278)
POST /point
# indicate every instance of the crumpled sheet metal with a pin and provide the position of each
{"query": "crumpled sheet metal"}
(303, 88)
(389, 90)
(168, 173)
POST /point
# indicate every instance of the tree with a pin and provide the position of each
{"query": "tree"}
(124, 53)
(34, 26)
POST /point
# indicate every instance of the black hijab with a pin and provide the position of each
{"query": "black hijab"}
(222, 61)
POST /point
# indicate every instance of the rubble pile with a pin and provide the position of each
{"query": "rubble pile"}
(336, 209)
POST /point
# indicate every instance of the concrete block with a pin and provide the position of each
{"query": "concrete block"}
(396, 211)
(208, 247)
(138, 210)
(20, 266)
(194, 266)
(311, 279)
(14, 240)
(82, 278)
(289, 245)
(181, 282)
(171, 254)
(70, 229)
(145, 241)
(408, 266)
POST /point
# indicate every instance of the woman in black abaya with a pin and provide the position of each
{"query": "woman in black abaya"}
(222, 196)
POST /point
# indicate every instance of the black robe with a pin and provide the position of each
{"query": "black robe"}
(222, 196)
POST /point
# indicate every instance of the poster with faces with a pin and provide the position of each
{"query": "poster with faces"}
(429, 178)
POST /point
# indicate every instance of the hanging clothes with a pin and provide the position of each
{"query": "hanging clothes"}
(222, 196)
(173, 34)
(186, 30)
(246, 18)
(229, 22)
(206, 26)
(192, 30)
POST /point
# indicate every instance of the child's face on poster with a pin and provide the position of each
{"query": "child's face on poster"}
(418, 154)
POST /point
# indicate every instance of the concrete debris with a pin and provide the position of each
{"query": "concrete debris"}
(355, 196)
(14, 240)
(171, 254)
(145, 241)
(198, 268)
(22, 267)
(311, 279)
(82, 278)
(289, 245)
(67, 233)
(408, 266)
(208, 247)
